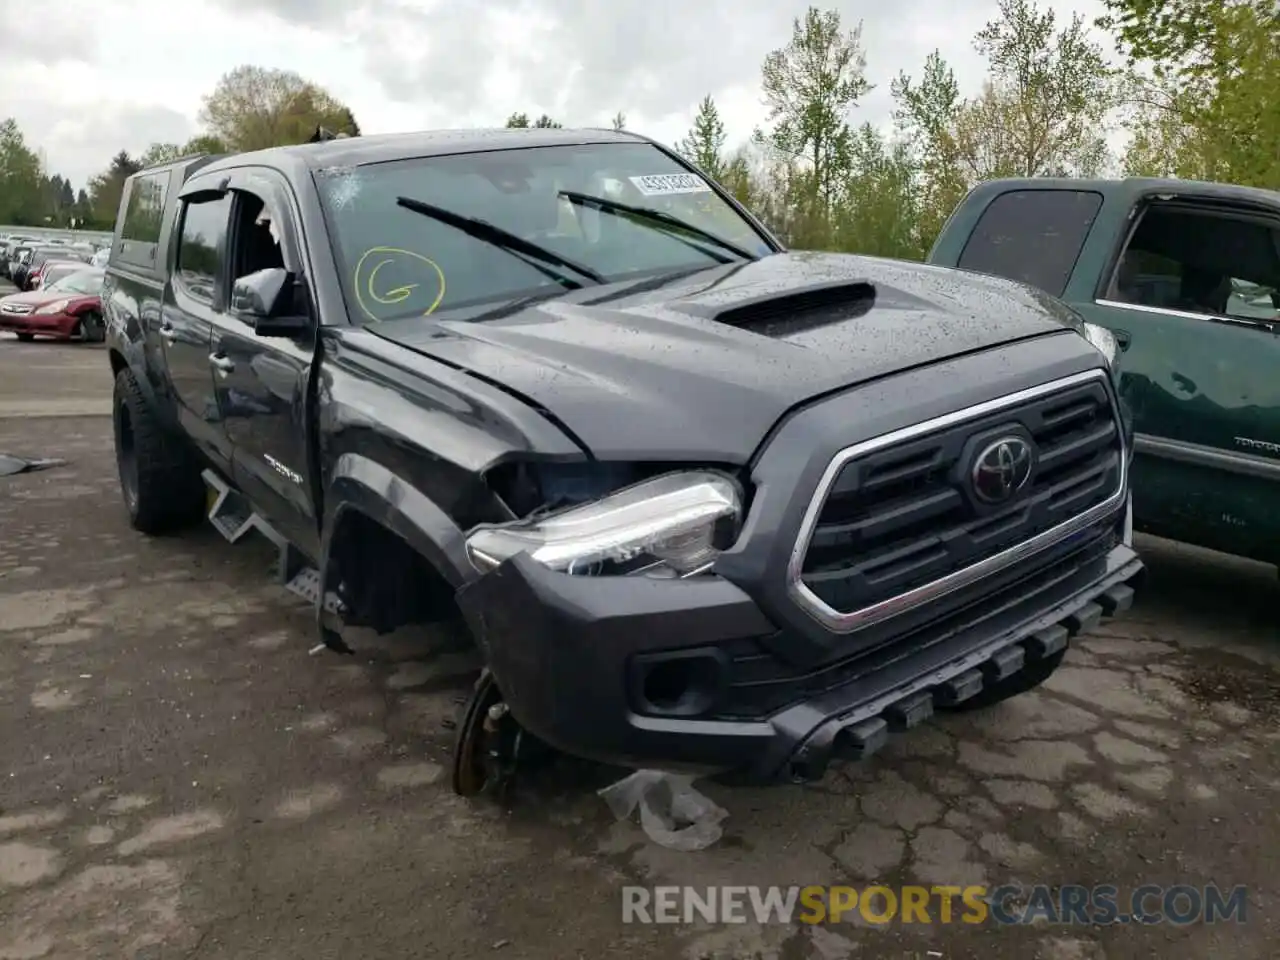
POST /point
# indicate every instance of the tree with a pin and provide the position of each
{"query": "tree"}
(160, 153)
(107, 187)
(349, 125)
(1206, 78)
(204, 143)
(927, 113)
(809, 86)
(619, 121)
(704, 144)
(1044, 109)
(521, 120)
(255, 107)
(1053, 91)
(20, 178)
(879, 214)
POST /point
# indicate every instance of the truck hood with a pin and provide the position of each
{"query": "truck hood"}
(701, 366)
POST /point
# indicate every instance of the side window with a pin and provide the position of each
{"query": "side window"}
(1034, 236)
(204, 230)
(1201, 261)
(257, 243)
(145, 211)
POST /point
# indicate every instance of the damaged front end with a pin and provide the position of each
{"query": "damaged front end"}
(591, 523)
(603, 522)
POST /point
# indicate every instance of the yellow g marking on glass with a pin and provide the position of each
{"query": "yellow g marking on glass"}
(365, 276)
(394, 295)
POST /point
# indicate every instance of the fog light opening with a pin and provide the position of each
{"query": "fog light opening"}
(681, 686)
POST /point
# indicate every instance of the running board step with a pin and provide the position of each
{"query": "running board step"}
(306, 584)
(234, 517)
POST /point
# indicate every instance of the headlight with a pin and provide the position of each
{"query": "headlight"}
(56, 307)
(670, 526)
(1104, 342)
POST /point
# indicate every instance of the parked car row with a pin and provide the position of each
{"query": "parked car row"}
(22, 258)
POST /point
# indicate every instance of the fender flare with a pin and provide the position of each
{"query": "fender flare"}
(365, 486)
(135, 362)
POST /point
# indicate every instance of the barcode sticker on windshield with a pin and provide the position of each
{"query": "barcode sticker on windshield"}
(658, 184)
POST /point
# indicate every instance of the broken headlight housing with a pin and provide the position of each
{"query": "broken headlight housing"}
(670, 526)
(1104, 341)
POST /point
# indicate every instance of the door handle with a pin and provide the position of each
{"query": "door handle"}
(224, 365)
(1123, 338)
(169, 332)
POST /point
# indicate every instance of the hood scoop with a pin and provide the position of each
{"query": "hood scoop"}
(786, 314)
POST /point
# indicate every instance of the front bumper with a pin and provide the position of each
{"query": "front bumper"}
(59, 325)
(573, 655)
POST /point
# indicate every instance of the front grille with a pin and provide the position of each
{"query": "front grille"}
(16, 309)
(900, 513)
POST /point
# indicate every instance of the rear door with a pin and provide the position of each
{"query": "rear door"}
(1194, 293)
(262, 382)
(196, 298)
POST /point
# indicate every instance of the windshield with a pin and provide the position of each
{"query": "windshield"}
(87, 282)
(398, 262)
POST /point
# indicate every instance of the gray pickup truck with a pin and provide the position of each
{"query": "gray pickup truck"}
(699, 502)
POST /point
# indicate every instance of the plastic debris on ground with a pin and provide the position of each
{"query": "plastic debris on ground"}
(10, 465)
(672, 813)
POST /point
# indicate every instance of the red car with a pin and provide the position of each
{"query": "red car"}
(69, 307)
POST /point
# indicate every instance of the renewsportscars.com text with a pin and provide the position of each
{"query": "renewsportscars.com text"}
(1004, 905)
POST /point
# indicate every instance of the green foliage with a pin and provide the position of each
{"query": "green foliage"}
(1205, 78)
(521, 120)
(107, 187)
(619, 121)
(252, 108)
(704, 145)
(21, 187)
(809, 86)
(160, 153)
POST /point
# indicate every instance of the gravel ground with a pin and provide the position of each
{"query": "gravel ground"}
(180, 779)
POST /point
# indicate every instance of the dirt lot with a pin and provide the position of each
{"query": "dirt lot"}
(180, 779)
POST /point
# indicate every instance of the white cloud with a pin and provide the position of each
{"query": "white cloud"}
(85, 80)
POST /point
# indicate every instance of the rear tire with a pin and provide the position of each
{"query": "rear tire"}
(26, 337)
(1028, 678)
(159, 479)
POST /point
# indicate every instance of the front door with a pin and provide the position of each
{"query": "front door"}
(1194, 297)
(187, 317)
(262, 382)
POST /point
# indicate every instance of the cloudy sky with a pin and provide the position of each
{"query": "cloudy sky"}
(87, 78)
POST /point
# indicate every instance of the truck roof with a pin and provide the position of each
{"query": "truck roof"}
(1133, 186)
(381, 148)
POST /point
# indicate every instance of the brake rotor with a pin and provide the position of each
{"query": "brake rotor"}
(486, 741)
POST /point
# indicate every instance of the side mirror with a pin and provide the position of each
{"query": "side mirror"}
(266, 299)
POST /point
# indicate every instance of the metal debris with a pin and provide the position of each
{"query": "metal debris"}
(10, 465)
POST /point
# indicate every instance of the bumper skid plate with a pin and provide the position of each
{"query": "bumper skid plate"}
(857, 736)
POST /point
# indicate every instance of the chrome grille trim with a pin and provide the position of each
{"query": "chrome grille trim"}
(854, 620)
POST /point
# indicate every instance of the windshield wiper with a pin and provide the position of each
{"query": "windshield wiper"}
(658, 217)
(505, 240)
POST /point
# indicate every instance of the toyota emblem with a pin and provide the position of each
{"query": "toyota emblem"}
(1001, 469)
